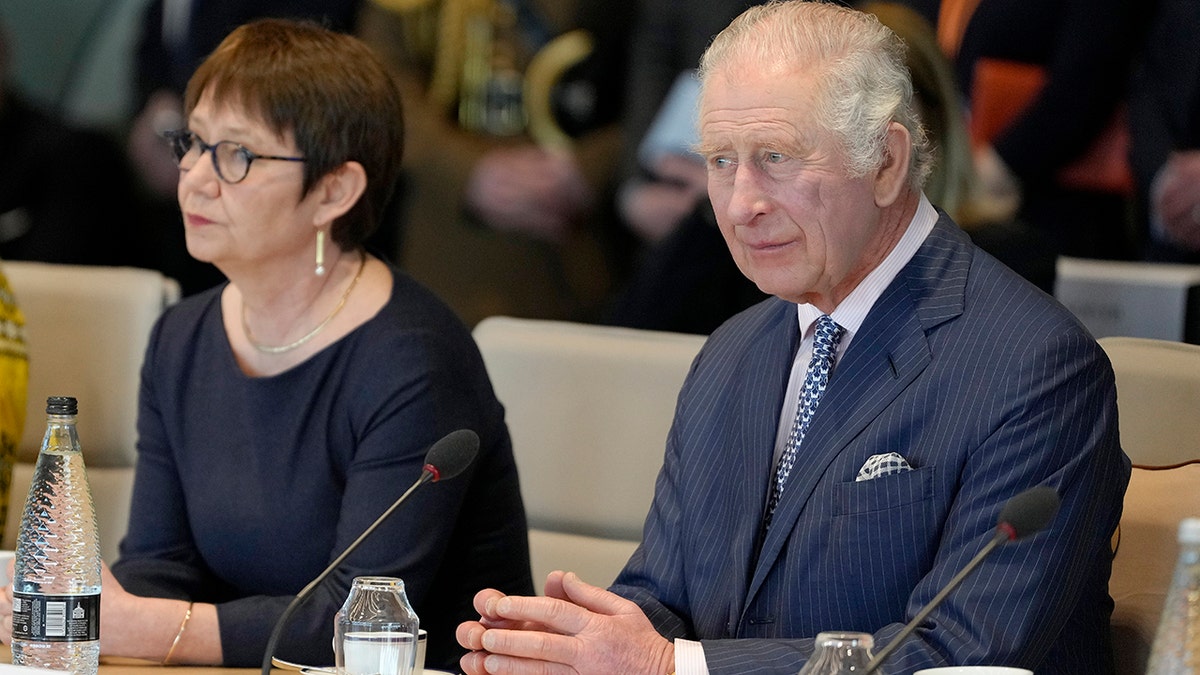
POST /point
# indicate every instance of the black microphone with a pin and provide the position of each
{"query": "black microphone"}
(446, 459)
(1022, 515)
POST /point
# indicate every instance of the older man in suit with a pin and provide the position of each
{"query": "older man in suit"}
(841, 450)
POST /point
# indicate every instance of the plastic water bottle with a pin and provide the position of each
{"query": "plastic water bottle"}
(1176, 649)
(56, 587)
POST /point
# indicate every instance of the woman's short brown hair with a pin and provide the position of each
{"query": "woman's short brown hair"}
(330, 90)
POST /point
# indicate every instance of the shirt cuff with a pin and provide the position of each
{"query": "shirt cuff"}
(689, 658)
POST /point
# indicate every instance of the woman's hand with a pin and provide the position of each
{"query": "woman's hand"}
(6, 604)
(136, 627)
(115, 602)
(113, 599)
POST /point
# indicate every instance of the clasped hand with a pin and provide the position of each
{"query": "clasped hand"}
(576, 628)
(1175, 198)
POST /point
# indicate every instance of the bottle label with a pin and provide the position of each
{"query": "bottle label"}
(56, 618)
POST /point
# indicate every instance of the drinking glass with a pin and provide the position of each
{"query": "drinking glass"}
(375, 631)
(837, 653)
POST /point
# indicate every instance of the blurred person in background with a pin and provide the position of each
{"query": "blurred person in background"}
(542, 190)
(1164, 116)
(656, 195)
(283, 411)
(955, 184)
(681, 277)
(513, 142)
(1045, 81)
(66, 193)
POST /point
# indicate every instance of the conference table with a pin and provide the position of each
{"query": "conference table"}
(139, 667)
(111, 666)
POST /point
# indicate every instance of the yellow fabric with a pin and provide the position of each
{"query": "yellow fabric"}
(14, 378)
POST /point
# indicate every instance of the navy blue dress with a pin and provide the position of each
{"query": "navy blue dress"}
(247, 487)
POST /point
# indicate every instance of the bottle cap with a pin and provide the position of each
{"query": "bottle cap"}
(1189, 531)
(62, 405)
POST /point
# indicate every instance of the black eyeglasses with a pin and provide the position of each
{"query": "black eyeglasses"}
(230, 160)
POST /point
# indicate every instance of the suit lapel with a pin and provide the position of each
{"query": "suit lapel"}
(768, 358)
(890, 351)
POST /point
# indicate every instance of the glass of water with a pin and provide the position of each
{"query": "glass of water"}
(375, 631)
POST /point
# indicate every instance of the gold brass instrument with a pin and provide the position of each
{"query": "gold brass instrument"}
(481, 71)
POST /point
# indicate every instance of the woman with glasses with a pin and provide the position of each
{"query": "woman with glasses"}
(284, 411)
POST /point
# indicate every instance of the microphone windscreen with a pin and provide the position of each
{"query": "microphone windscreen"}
(1029, 512)
(453, 453)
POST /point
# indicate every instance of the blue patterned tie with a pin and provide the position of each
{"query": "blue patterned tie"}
(825, 344)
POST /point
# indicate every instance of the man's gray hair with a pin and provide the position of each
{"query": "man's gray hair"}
(862, 81)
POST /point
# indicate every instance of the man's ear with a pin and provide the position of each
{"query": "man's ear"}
(338, 191)
(893, 174)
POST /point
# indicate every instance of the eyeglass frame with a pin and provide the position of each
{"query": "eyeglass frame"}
(175, 137)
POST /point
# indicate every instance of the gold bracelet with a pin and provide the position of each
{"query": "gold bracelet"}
(182, 627)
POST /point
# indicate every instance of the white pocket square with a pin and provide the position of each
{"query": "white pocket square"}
(886, 464)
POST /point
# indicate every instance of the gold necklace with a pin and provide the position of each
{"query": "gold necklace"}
(269, 349)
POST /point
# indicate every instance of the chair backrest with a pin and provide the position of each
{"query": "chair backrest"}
(87, 328)
(1158, 401)
(588, 408)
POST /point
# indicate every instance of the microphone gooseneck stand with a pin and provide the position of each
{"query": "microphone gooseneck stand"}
(447, 458)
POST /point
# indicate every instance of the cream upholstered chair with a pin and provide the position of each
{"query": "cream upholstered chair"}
(87, 328)
(588, 408)
(1158, 401)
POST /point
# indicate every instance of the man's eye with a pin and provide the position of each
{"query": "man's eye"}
(774, 157)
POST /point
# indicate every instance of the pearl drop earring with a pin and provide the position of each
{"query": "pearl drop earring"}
(320, 271)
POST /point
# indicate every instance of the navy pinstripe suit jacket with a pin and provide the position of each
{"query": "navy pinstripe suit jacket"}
(987, 387)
